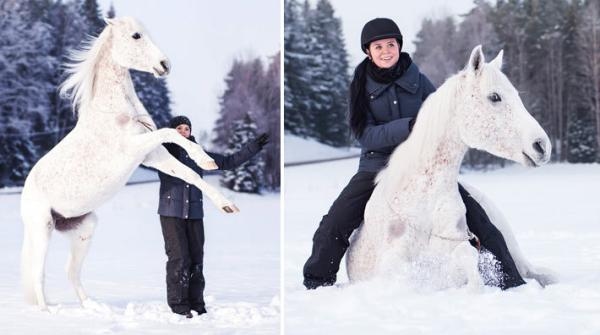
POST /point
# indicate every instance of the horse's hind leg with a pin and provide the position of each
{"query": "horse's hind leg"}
(80, 237)
(35, 248)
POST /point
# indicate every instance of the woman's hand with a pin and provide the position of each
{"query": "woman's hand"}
(262, 140)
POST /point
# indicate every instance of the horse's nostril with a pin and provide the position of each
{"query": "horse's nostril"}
(165, 65)
(538, 146)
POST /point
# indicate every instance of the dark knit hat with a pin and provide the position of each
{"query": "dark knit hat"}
(178, 120)
(378, 29)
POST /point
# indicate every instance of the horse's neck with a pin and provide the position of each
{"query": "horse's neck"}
(113, 92)
(428, 162)
(441, 165)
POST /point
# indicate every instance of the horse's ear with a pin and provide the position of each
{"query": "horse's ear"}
(476, 60)
(109, 21)
(497, 62)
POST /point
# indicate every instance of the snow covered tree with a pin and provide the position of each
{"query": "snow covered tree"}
(241, 96)
(247, 177)
(154, 95)
(329, 80)
(316, 84)
(111, 11)
(435, 49)
(582, 145)
(296, 75)
(70, 29)
(588, 35)
(271, 103)
(26, 72)
(93, 15)
(251, 92)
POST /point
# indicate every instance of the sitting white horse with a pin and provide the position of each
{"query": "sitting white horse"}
(415, 212)
(114, 134)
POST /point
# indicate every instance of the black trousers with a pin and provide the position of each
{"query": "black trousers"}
(184, 246)
(347, 213)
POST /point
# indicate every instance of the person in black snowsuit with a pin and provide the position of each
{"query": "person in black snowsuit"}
(386, 94)
(181, 219)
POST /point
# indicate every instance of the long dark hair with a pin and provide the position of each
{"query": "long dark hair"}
(359, 106)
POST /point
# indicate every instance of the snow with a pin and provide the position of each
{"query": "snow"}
(125, 269)
(307, 149)
(554, 213)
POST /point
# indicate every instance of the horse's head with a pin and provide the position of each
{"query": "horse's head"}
(491, 115)
(132, 47)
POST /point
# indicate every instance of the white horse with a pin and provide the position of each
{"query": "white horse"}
(114, 134)
(416, 213)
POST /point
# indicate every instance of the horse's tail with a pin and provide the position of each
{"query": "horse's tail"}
(26, 267)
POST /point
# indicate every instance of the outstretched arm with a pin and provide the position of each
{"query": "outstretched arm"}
(244, 154)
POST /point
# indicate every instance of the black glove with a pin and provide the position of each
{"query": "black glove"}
(262, 140)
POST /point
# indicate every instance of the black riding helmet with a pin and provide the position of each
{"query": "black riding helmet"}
(378, 29)
(177, 120)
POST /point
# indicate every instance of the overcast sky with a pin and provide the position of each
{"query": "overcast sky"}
(408, 14)
(202, 38)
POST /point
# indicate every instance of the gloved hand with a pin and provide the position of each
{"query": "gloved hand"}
(262, 140)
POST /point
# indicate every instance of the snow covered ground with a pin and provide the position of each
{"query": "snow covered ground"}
(301, 150)
(554, 212)
(124, 271)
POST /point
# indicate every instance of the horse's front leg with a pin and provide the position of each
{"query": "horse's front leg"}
(465, 260)
(147, 142)
(162, 160)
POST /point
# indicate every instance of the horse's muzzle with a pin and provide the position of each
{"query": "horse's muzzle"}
(166, 66)
(538, 154)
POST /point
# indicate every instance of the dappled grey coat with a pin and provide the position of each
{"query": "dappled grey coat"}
(392, 106)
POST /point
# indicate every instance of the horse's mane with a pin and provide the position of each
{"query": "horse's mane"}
(82, 69)
(432, 121)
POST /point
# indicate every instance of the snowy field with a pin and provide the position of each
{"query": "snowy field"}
(125, 269)
(301, 150)
(555, 214)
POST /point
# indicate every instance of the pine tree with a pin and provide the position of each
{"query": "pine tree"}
(435, 50)
(93, 16)
(249, 176)
(588, 36)
(154, 95)
(70, 29)
(330, 80)
(271, 103)
(243, 82)
(111, 11)
(26, 70)
(296, 79)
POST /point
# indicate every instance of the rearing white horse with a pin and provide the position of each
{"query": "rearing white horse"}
(416, 211)
(114, 134)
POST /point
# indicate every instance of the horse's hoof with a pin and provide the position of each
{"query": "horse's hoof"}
(209, 165)
(230, 209)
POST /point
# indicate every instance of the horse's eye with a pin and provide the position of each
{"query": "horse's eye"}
(494, 97)
(136, 36)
